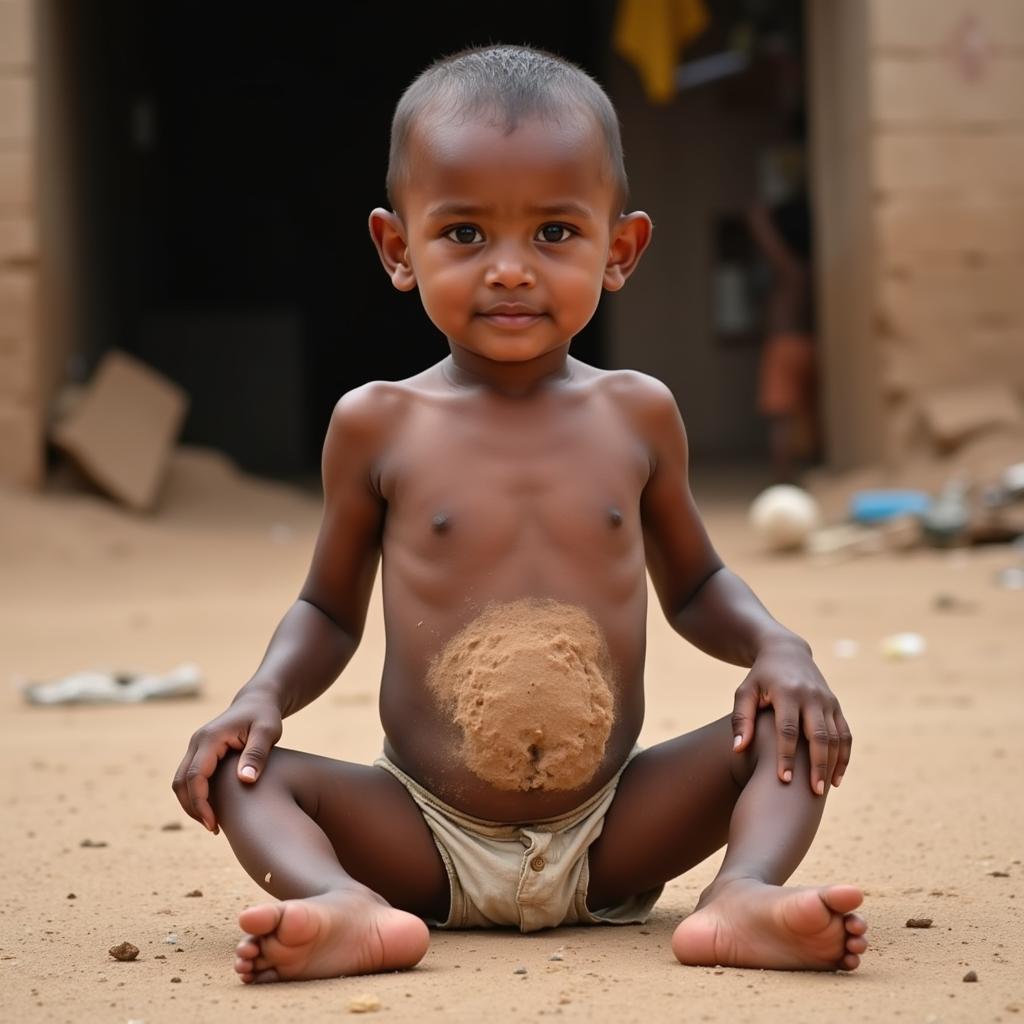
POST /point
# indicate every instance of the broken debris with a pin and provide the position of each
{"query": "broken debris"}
(122, 433)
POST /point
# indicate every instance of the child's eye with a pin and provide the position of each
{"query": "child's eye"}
(464, 234)
(554, 233)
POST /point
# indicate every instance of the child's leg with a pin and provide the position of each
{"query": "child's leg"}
(347, 850)
(680, 801)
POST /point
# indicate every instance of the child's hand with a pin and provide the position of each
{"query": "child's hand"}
(251, 724)
(785, 677)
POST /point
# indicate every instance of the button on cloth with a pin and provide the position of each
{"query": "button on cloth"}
(540, 891)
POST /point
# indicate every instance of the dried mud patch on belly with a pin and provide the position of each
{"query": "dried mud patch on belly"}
(529, 684)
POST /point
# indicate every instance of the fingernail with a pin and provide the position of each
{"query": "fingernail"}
(839, 779)
(736, 741)
(248, 772)
(787, 776)
(820, 787)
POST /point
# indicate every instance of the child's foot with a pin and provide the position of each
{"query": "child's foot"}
(750, 924)
(338, 933)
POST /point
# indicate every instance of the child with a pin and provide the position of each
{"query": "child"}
(515, 496)
(787, 391)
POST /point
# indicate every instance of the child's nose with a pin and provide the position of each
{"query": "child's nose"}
(510, 268)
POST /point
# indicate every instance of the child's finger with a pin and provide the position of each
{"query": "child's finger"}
(822, 750)
(787, 734)
(179, 785)
(197, 779)
(744, 715)
(258, 745)
(845, 747)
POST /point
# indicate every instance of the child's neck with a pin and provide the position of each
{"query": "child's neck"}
(510, 379)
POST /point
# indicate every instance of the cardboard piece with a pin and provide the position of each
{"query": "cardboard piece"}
(122, 433)
(953, 416)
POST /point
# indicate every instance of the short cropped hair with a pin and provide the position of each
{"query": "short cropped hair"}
(508, 83)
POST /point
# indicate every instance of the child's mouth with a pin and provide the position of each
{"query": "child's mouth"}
(512, 316)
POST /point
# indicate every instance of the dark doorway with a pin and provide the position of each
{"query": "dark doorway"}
(227, 157)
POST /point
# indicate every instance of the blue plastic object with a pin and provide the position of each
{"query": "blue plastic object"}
(877, 506)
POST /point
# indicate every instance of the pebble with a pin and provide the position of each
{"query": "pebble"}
(92, 844)
(72, 896)
(365, 1003)
(124, 951)
(171, 939)
(519, 970)
(919, 922)
(556, 956)
(999, 874)
(971, 976)
(171, 826)
(195, 892)
(175, 980)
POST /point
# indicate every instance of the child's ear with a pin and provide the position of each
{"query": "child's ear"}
(631, 234)
(388, 234)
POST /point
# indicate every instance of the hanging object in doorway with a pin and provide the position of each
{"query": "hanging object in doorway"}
(651, 33)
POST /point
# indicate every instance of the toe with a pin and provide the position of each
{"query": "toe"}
(261, 963)
(851, 962)
(243, 966)
(841, 899)
(261, 919)
(856, 944)
(855, 924)
(262, 977)
(247, 948)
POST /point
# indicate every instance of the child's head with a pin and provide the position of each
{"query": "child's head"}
(507, 183)
(503, 85)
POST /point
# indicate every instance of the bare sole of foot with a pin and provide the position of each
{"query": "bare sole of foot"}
(750, 924)
(338, 933)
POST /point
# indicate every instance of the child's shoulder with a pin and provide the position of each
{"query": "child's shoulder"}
(643, 399)
(630, 385)
(380, 401)
(365, 418)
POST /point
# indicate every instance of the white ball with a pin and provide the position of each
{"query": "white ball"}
(783, 516)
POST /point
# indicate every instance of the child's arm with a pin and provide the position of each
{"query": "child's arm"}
(320, 632)
(717, 612)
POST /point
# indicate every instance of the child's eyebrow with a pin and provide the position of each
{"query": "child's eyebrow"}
(559, 208)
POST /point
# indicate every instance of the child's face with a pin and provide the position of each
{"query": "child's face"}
(509, 238)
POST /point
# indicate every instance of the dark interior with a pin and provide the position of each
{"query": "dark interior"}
(227, 156)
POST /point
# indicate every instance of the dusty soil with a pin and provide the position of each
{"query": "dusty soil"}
(528, 683)
(930, 819)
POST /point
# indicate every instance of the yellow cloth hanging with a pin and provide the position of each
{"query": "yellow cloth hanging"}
(650, 34)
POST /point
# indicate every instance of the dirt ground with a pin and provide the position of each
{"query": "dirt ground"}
(929, 820)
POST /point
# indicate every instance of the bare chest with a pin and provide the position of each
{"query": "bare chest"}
(515, 486)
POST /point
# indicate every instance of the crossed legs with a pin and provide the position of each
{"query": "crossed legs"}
(354, 868)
